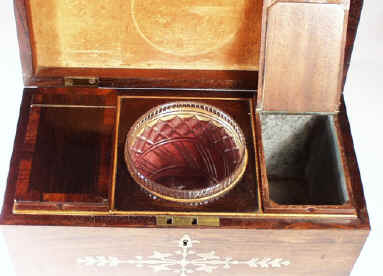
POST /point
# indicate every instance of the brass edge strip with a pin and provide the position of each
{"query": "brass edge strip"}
(283, 112)
(155, 89)
(72, 106)
(257, 172)
(234, 215)
(185, 98)
(60, 213)
(161, 213)
(115, 155)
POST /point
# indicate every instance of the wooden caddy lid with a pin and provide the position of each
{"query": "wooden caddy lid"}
(296, 47)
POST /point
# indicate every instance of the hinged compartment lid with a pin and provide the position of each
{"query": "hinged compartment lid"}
(303, 53)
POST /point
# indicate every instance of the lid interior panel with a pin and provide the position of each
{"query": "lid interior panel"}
(146, 34)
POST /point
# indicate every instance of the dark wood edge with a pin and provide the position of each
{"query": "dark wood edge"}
(352, 166)
(345, 209)
(132, 73)
(24, 37)
(341, 139)
(197, 83)
(339, 93)
(151, 78)
(26, 158)
(14, 164)
(354, 13)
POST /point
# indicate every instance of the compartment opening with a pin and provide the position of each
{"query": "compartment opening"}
(173, 156)
(302, 159)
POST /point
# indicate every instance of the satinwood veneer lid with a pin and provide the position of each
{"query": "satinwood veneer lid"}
(121, 38)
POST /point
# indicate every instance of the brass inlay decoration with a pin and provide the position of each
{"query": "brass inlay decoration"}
(112, 194)
(164, 213)
(258, 174)
(72, 106)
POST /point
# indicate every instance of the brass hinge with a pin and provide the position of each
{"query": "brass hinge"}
(81, 81)
(183, 221)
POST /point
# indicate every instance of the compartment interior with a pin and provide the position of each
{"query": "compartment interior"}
(302, 157)
(129, 196)
(146, 34)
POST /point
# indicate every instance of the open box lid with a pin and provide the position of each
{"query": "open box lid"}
(297, 47)
(128, 43)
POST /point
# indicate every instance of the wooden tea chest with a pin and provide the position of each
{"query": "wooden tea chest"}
(276, 68)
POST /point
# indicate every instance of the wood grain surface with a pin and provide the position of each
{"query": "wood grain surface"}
(303, 57)
(309, 252)
(218, 35)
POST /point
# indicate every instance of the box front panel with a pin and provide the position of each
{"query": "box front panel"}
(101, 251)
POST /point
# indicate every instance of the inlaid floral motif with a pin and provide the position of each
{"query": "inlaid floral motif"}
(184, 260)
